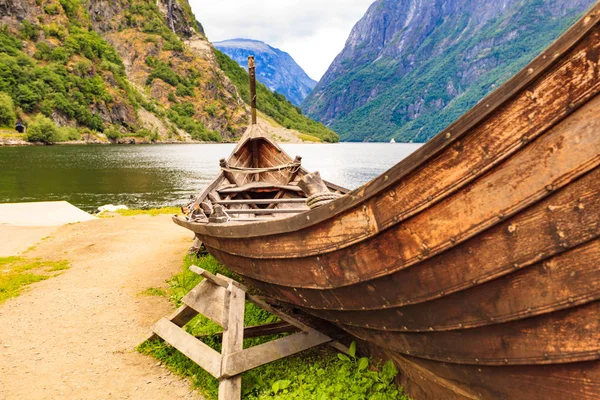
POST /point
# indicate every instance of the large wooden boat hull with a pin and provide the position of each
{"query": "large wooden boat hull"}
(474, 263)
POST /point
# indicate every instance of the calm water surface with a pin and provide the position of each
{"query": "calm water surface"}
(161, 175)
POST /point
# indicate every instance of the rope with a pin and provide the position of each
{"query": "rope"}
(293, 167)
(320, 199)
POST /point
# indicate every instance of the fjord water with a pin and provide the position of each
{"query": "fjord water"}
(163, 175)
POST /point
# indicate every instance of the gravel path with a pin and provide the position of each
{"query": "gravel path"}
(74, 336)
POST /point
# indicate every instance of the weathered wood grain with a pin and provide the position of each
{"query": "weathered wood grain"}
(426, 380)
(564, 281)
(265, 353)
(209, 300)
(187, 344)
(567, 218)
(230, 386)
(560, 337)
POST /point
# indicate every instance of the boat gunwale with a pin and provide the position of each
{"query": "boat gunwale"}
(472, 118)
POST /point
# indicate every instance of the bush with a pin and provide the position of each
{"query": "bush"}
(68, 133)
(42, 129)
(7, 111)
(112, 133)
(28, 31)
(51, 9)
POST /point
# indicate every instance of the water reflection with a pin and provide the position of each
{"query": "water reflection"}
(159, 175)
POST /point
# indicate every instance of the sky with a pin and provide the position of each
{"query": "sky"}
(313, 32)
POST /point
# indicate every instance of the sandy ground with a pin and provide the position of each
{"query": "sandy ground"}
(15, 240)
(74, 336)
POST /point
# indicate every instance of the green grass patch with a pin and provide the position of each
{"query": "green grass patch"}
(320, 373)
(18, 272)
(153, 211)
(309, 138)
(158, 292)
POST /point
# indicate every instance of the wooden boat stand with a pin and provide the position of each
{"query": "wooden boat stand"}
(222, 300)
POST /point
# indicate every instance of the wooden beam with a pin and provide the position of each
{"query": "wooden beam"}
(195, 350)
(260, 330)
(261, 187)
(267, 307)
(261, 201)
(268, 211)
(209, 299)
(233, 342)
(179, 317)
(236, 363)
(207, 275)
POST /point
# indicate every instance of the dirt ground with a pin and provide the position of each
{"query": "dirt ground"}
(74, 336)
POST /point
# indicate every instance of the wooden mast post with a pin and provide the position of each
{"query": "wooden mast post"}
(252, 74)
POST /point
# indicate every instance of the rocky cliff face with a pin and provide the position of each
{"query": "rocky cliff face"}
(118, 67)
(411, 67)
(275, 68)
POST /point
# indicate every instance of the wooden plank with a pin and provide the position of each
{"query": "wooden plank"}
(564, 281)
(573, 211)
(233, 342)
(211, 277)
(565, 336)
(262, 211)
(195, 350)
(260, 330)
(262, 201)
(267, 307)
(208, 299)
(260, 186)
(256, 356)
(179, 317)
(569, 381)
(182, 315)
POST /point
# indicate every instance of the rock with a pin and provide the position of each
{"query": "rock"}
(406, 61)
(111, 208)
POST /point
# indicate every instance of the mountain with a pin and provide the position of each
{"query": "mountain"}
(126, 70)
(411, 67)
(275, 105)
(275, 68)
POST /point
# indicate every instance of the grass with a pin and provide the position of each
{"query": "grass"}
(320, 373)
(309, 138)
(152, 211)
(18, 272)
(158, 292)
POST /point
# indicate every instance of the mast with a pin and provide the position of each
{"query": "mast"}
(252, 74)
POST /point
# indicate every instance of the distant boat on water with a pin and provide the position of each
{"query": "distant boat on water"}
(392, 141)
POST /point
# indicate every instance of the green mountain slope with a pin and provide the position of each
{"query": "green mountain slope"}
(408, 72)
(120, 70)
(275, 105)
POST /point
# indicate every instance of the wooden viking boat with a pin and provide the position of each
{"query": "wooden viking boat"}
(473, 263)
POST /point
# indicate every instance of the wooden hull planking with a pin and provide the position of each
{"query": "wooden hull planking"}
(473, 264)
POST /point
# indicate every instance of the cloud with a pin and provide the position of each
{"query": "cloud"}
(313, 32)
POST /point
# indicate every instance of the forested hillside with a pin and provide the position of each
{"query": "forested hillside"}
(411, 67)
(119, 70)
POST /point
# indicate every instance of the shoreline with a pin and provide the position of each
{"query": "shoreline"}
(23, 143)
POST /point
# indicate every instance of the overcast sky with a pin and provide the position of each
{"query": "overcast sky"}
(313, 32)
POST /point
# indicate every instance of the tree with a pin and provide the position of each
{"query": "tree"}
(7, 111)
(42, 129)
